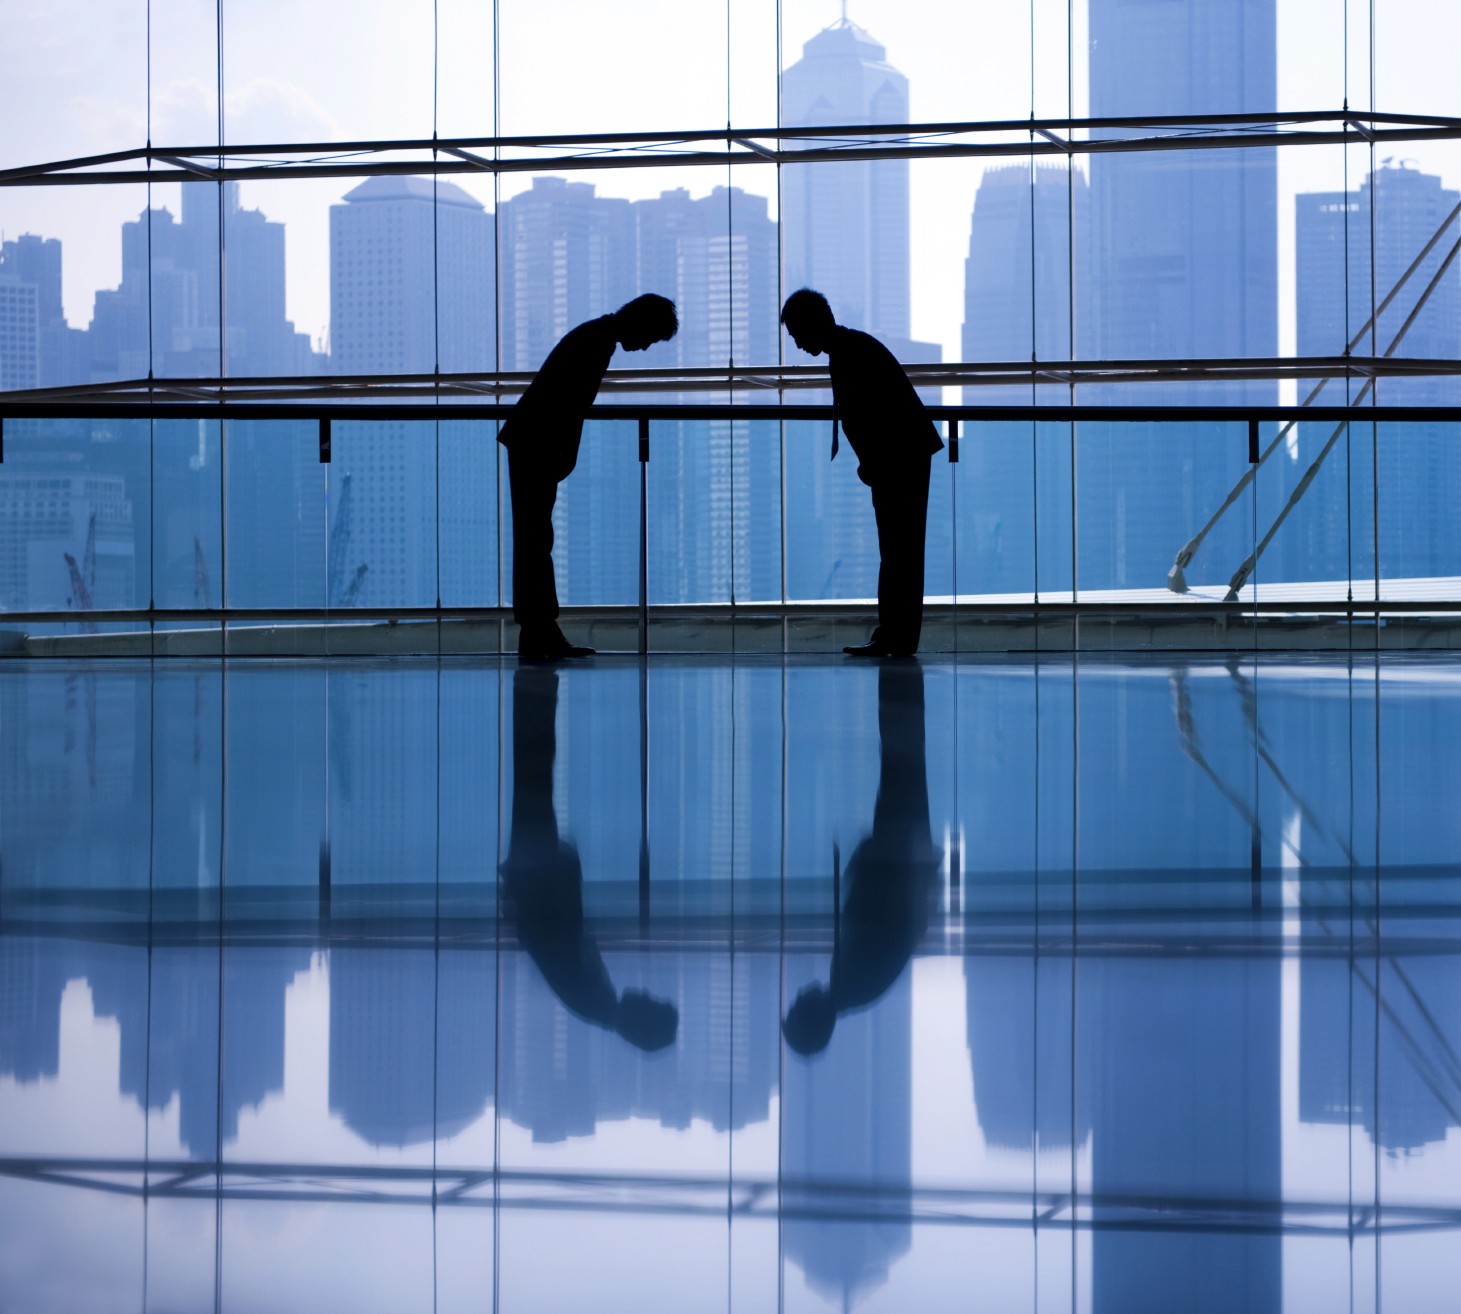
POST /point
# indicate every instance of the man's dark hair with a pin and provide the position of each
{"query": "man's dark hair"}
(808, 307)
(652, 312)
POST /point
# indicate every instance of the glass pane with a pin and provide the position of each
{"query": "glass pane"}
(274, 486)
(464, 70)
(77, 499)
(77, 83)
(187, 537)
(604, 75)
(383, 534)
(377, 82)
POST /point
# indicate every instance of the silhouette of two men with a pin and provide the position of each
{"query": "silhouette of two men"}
(872, 398)
(542, 435)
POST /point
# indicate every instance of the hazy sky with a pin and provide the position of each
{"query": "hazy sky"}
(77, 83)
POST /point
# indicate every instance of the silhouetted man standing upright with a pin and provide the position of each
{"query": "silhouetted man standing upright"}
(894, 440)
(542, 435)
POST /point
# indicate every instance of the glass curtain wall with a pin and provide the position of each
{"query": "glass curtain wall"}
(1036, 256)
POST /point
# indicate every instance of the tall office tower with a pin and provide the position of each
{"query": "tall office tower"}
(715, 506)
(170, 268)
(160, 279)
(1183, 264)
(20, 334)
(60, 349)
(567, 256)
(845, 232)
(259, 338)
(1022, 242)
(1330, 535)
(411, 290)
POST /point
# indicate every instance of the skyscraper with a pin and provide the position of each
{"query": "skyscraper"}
(1182, 264)
(846, 224)
(20, 334)
(1329, 534)
(1025, 227)
(60, 349)
(411, 290)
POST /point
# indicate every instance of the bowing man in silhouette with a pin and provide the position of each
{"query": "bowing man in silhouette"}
(894, 440)
(543, 882)
(890, 878)
(542, 435)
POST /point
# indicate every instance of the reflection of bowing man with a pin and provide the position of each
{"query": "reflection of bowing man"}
(543, 882)
(890, 877)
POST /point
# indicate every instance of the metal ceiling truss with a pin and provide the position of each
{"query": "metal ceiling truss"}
(752, 380)
(690, 1193)
(989, 139)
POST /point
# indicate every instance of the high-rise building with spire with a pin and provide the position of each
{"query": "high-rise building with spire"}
(845, 232)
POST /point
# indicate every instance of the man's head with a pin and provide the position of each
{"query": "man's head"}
(808, 318)
(644, 321)
(809, 1021)
(645, 1022)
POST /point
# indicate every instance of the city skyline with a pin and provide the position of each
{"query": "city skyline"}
(1156, 259)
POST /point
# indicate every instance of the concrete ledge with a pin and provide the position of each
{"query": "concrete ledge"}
(769, 630)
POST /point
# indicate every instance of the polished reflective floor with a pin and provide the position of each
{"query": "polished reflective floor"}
(1013, 984)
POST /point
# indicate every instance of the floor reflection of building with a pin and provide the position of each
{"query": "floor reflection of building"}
(33, 973)
(1416, 1100)
(561, 1076)
(1176, 1087)
(165, 1005)
(411, 1042)
(74, 780)
(1018, 1023)
(178, 1055)
(1178, 1075)
(847, 1123)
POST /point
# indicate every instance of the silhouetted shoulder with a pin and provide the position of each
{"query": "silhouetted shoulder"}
(862, 350)
(874, 395)
(566, 383)
(581, 349)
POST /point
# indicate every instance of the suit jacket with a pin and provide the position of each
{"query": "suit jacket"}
(881, 414)
(549, 416)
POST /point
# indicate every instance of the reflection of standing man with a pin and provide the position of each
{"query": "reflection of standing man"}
(542, 883)
(890, 876)
(541, 435)
(894, 440)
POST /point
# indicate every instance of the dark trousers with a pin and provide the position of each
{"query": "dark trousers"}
(534, 489)
(900, 503)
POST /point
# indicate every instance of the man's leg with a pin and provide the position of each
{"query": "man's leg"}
(901, 507)
(534, 592)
